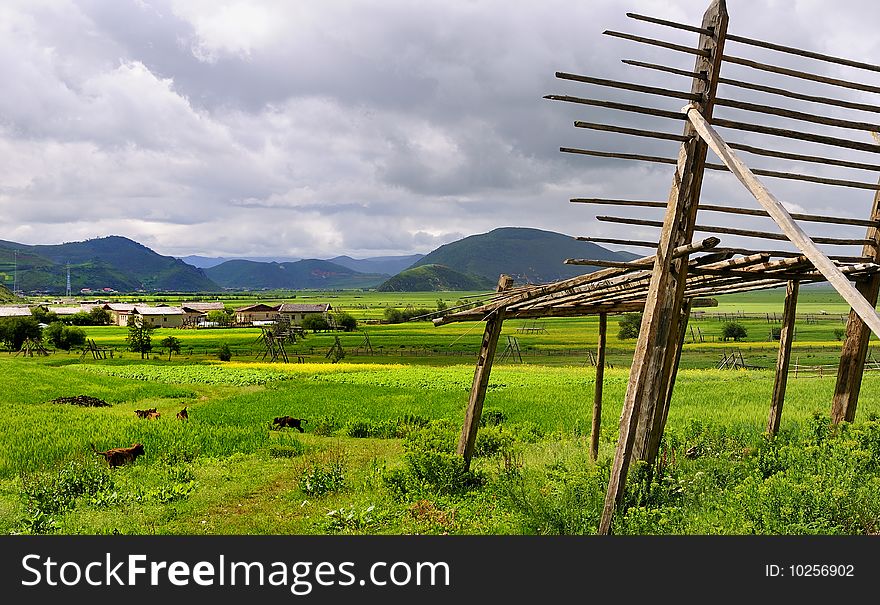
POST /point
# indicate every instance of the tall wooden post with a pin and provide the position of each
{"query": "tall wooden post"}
(855, 343)
(478, 388)
(648, 379)
(783, 358)
(600, 377)
(662, 412)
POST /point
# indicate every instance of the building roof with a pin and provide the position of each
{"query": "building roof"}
(258, 307)
(124, 307)
(303, 308)
(69, 310)
(15, 312)
(145, 310)
(204, 306)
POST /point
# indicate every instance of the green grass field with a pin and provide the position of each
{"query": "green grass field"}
(376, 456)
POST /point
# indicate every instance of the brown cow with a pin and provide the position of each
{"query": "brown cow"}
(295, 423)
(182, 414)
(153, 415)
(118, 456)
(145, 413)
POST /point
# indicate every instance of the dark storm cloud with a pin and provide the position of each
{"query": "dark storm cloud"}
(315, 129)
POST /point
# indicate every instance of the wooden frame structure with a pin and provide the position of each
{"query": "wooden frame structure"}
(682, 271)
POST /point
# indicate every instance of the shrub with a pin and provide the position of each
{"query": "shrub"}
(733, 331)
(172, 344)
(393, 316)
(839, 333)
(224, 353)
(775, 333)
(322, 479)
(15, 330)
(346, 321)
(315, 322)
(629, 326)
(64, 337)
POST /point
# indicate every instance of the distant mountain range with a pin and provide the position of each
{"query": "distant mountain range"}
(308, 274)
(472, 263)
(527, 255)
(113, 262)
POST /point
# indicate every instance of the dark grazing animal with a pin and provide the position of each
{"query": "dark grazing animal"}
(183, 414)
(118, 456)
(152, 415)
(294, 423)
(146, 413)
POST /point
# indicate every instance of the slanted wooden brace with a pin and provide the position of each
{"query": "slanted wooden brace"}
(651, 371)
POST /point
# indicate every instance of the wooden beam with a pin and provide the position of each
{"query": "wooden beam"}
(651, 90)
(779, 214)
(803, 75)
(793, 176)
(651, 134)
(851, 367)
(478, 388)
(797, 135)
(650, 111)
(662, 44)
(811, 218)
(797, 115)
(672, 24)
(597, 397)
(834, 241)
(646, 386)
(783, 358)
(804, 53)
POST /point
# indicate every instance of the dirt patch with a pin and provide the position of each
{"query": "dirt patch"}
(83, 400)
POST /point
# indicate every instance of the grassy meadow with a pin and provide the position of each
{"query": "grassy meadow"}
(377, 454)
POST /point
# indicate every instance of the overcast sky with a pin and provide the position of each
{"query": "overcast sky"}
(314, 128)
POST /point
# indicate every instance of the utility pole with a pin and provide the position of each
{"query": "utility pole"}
(15, 271)
(68, 279)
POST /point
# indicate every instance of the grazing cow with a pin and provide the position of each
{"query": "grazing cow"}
(118, 456)
(183, 414)
(153, 416)
(294, 423)
(145, 413)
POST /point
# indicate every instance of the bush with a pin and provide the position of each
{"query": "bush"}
(15, 330)
(322, 479)
(224, 353)
(775, 333)
(64, 337)
(629, 326)
(839, 333)
(99, 317)
(393, 316)
(733, 330)
(220, 318)
(346, 321)
(315, 322)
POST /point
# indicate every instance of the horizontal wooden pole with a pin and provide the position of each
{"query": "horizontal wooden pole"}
(799, 157)
(797, 135)
(662, 44)
(812, 218)
(631, 131)
(803, 75)
(651, 90)
(834, 241)
(649, 111)
(803, 53)
(798, 237)
(619, 242)
(597, 262)
(796, 115)
(673, 24)
(664, 68)
(782, 92)
(791, 176)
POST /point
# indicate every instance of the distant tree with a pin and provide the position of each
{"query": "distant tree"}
(839, 333)
(422, 313)
(393, 316)
(99, 317)
(15, 330)
(140, 336)
(64, 337)
(43, 316)
(172, 344)
(220, 318)
(315, 322)
(224, 353)
(346, 321)
(733, 331)
(629, 326)
(81, 318)
(441, 304)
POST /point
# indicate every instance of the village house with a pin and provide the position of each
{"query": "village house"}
(119, 312)
(256, 313)
(296, 312)
(160, 317)
(204, 306)
(15, 311)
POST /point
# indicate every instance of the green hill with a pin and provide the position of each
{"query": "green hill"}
(107, 262)
(6, 296)
(299, 275)
(433, 278)
(528, 255)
